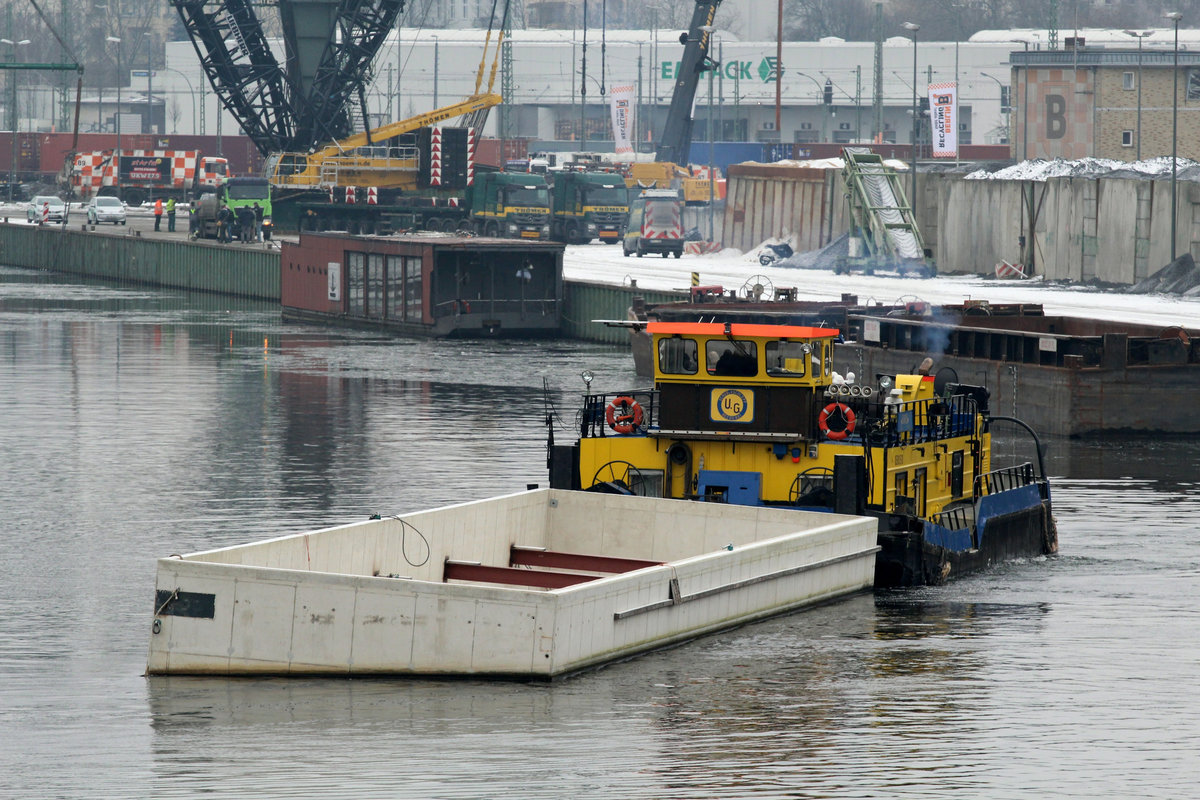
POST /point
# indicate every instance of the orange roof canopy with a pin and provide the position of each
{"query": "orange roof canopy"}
(742, 329)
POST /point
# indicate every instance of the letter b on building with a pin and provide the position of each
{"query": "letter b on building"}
(1056, 116)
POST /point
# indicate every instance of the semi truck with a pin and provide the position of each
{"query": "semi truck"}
(136, 176)
(588, 205)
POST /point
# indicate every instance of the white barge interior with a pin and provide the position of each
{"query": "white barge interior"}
(533, 585)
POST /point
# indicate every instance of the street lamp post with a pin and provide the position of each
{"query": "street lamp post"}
(820, 94)
(711, 181)
(912, 28)
(149, 84)
(117, 40)
(1139, 37)
(435, 71)
(12, 113)
(191, 91)
(1174, 16)
(1008, 113)
(583, 87)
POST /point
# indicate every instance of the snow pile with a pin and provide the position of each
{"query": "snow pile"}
(822, 163)
(1039, 169)
(1180, 277)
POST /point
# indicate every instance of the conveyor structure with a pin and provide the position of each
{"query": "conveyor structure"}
(883, 229)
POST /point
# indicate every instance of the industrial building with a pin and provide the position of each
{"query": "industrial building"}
(1104, 93)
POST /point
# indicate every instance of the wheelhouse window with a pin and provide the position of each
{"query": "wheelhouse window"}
(412, 288)
(355, 283)
(374, 285)
(677, 356)
(731, 359)
(395, 287)
(788, 359)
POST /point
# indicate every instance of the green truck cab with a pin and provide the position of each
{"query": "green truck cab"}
(239, 192)
(511, 205)
(588, 205)
(235, 193)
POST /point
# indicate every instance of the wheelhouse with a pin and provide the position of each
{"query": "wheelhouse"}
(755, 415)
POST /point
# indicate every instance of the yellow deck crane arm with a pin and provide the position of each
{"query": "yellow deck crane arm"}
(358, 161)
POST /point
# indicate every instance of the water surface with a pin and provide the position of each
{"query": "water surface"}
(138, 423)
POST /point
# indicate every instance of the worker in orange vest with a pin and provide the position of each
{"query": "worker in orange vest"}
(158, 209)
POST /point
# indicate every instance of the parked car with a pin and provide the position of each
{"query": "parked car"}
(15, 192)
(53, 208)
(106, 209)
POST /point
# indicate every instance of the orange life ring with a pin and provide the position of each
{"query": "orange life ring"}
(624, 414)
(847, 414)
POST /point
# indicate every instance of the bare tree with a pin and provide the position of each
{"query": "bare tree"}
(810, 20)
(174, 113)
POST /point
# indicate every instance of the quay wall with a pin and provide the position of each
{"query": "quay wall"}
(127, 258)
(253, 273)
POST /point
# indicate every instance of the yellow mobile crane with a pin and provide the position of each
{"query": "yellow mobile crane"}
(669, 170)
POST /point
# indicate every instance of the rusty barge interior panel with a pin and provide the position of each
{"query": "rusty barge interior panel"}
(1049, 341)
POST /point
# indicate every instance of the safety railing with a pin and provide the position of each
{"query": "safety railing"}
(619, 414)
(1004, 479)
(500, 305)
(921, 421)
(955, 519)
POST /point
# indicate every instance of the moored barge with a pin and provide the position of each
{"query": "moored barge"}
(436, 285)
(1065, 376)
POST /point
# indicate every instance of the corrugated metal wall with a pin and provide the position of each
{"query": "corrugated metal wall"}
(766, 201)
(585, 302)
(132, 259)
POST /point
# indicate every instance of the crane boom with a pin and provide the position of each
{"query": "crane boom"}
(676, 139)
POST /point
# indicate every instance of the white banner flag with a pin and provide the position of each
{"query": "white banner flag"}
(621, 102)
(943, 119)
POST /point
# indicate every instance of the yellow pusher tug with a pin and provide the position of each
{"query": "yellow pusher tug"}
(755, 415)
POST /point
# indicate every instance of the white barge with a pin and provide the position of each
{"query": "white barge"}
(531, 585)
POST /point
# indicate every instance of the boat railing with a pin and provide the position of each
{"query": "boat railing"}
(1004, 479)
(919, 421)
(955, 519)
(497, 305)
(619, 413)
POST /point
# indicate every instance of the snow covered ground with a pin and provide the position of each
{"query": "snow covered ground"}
(731, 269)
